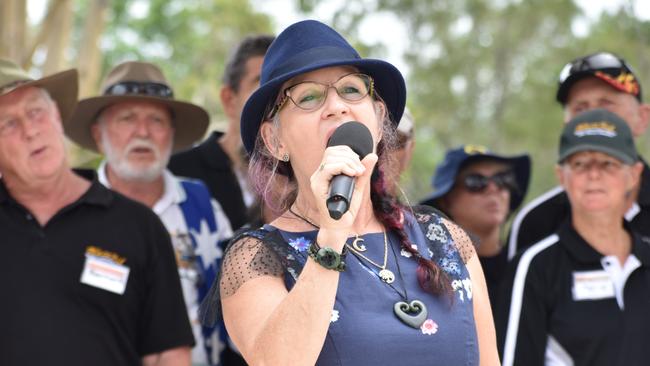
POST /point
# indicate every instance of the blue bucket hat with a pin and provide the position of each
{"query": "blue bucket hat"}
(445, 176)
(310, 45)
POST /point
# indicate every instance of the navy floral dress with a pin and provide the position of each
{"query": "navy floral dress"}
(363, 327)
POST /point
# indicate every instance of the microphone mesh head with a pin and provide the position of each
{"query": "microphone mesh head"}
(355, 135)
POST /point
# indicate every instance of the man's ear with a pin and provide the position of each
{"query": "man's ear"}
(96, 132)
(641, 126)
(271, 139)
(227, 96)
(637, 170)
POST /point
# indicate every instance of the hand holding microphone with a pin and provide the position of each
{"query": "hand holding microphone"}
(357, 137)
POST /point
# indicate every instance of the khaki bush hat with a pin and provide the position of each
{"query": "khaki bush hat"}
(63, 86)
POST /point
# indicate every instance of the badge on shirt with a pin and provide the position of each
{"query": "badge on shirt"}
(592, 285)
(105, 270)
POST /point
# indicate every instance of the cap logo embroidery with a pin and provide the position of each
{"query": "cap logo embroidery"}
(595, 129)
(625, 81)
(475, 149)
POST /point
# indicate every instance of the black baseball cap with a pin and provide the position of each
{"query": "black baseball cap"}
(598, 130)
(606, 66)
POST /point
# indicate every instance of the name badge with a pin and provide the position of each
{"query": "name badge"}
(105, 274)
(592, 285)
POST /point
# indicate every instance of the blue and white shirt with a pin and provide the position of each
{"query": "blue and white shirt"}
(197, 225)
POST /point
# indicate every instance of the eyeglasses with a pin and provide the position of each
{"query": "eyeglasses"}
(609, 166)
(311, 95)
(595, 62)
(140, 88)
(477, 183)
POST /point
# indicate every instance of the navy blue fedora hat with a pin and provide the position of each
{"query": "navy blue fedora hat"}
(310, 45)
(445, 176)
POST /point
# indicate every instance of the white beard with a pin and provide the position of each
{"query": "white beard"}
(123, 168)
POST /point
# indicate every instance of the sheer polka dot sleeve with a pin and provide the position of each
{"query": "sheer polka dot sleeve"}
(465, 243)
(246, 259)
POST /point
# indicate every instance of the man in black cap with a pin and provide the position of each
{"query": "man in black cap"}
(580, 296)
(599, 80)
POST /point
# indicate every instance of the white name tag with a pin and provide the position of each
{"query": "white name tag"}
(592, 285)
(103, 273)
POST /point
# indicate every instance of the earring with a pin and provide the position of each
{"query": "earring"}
(285, 157)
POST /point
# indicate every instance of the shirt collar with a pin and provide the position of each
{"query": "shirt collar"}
(173, 193)
(583, 252)
(95, 195)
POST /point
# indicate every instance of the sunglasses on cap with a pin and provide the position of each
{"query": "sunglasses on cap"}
(477, 183)
(592, 63)
(140, 88)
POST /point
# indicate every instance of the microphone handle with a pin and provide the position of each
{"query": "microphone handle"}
(340, 194)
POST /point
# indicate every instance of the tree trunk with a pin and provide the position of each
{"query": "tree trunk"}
(57, 38)
(89, 61)
(13, 15)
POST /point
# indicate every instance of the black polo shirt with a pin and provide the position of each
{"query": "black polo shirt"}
(557, 304)
(49, 317)
(543, 215)
(209, 163)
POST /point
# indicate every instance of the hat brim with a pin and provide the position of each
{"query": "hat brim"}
(520, 165)
(190, 121)
(593, 147)
(563, 91)
(388, 82)
(63, 88)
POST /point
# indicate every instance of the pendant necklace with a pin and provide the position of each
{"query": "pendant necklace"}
(385, 274)
(357, 243)
(412, 313)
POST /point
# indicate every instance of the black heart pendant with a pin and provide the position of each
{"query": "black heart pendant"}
(413, 314)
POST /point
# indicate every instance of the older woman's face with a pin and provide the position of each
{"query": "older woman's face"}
(304, 133)
(484, 209)
(597, 182)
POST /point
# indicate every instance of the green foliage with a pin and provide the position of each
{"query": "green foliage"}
(485, 72)
(190, 40)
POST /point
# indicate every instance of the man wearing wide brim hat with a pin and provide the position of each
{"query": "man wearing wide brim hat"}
(136, 124)
(138, 81)
(90, 291)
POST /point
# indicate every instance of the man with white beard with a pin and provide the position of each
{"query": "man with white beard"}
(137, 124)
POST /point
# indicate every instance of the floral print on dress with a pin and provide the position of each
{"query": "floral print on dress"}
(335, 316)
(436, 232)
(406, 253)
(429, 327)
(441, 246)
(293, 273)
(300, 243)
(463, 288)
(420, 217)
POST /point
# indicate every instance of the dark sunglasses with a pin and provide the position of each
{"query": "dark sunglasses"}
(595, 62)
(140, 88)
(477, 183)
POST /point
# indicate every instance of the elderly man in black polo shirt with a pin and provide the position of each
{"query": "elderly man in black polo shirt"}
(599, 80)
(89, 276)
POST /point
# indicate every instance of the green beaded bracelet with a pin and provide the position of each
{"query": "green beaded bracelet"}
(327, 257)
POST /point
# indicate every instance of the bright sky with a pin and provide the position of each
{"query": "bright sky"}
(374, 28)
